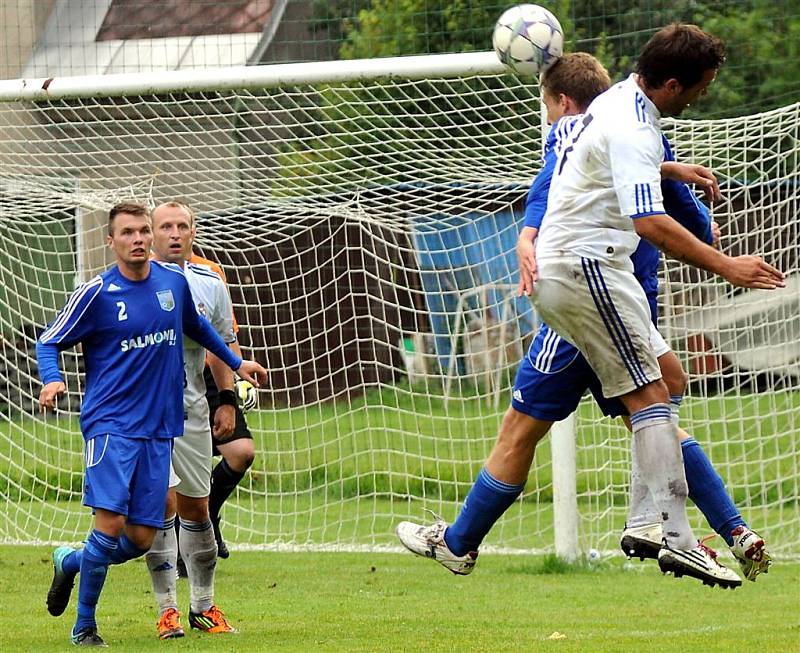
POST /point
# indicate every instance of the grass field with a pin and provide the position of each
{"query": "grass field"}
(397, 602)
(345, 472)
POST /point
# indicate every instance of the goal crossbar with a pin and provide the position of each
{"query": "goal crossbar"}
(252, 77)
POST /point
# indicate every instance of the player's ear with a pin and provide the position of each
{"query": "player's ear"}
(568, 105)
(673, 86)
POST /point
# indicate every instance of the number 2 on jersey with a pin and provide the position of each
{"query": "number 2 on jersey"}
(123, 314)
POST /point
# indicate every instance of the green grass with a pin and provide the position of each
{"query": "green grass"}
(397, 602)
(346, 471)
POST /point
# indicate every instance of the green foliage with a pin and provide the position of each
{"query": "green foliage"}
(763, 69)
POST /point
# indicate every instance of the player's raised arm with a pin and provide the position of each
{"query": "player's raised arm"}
(200, 330)
(744, 271)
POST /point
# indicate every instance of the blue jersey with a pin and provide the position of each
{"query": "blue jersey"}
(132, 337)
(679, 202)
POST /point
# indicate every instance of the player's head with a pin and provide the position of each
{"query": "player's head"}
(677, 65)
(571, 83)
(173, 232)
(130, 234)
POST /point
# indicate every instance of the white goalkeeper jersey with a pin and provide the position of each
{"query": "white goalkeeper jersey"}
(211, 300)
(607, 174)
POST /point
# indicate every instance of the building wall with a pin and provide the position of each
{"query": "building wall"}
(25, 21)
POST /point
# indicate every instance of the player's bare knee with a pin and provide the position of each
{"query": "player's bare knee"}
(519, 434)
(652, 393)
(672, 374)
(193, 508)
(240, 455)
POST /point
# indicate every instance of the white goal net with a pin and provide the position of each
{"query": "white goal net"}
(365, 214)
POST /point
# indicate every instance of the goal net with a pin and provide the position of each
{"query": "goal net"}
(365, 214)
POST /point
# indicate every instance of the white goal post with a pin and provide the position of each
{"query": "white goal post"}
(365, 213)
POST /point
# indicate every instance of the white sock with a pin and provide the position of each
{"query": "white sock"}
(675, 407)
(162, 559)
(660, 467)
(199, 552)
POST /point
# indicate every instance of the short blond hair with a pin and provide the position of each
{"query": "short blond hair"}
(577, 75)
(175, 204)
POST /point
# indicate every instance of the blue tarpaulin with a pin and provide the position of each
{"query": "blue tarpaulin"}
(459, 253)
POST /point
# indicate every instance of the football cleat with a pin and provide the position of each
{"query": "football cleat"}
(169, 624)
(428, 542)
(211, 621)
(641, 541)
(748, 549)
(61, 587)
(88, 637)
(699, 562)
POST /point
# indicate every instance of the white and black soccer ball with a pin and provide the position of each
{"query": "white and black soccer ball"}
(528, 39)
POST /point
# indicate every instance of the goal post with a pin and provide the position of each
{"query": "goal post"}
(365, 214)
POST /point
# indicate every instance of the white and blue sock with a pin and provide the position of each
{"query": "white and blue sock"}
(95, 560)
(660, 467)
(198, 549)
(162, 558)
(675, 407)
(707, 490)
(485, 504)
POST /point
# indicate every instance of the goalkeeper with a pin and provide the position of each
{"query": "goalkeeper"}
(237, 450)
(553, 375)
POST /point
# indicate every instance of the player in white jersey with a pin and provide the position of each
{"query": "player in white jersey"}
(173, 233)
(605, 194)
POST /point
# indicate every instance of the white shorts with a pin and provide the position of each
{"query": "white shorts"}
(657, 342)
(191, 456)
(604, 312)
(173, 477)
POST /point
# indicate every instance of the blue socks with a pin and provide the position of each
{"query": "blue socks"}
(485, 504)
(93, 567)
(707, 491)
(126, 550)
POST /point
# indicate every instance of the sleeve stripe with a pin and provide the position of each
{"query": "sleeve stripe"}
(66, 315)
(643, 196)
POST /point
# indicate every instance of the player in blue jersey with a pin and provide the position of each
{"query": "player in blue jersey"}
(553, 375)
(130, 321)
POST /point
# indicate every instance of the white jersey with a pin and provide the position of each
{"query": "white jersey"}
(213, 302)
(608, 173)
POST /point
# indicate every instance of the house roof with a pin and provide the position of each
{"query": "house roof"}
(91, 37)
(144, 19)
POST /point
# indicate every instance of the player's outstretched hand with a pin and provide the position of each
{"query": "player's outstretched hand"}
(252, 371)
(692, 173)
(49, 393)
(526, 255)
(753, 272)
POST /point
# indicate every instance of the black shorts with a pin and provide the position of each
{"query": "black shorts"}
(240, 429)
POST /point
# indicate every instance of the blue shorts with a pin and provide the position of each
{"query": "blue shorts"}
(552, 378)
(128, 476)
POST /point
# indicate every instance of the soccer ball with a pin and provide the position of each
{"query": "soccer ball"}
(528, 39)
